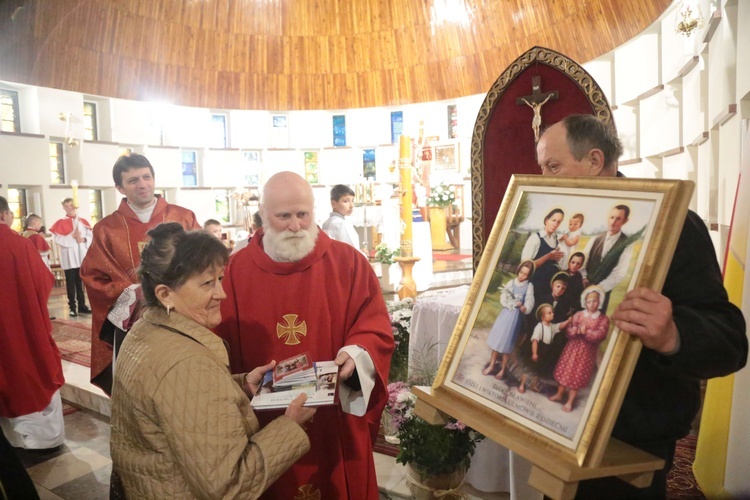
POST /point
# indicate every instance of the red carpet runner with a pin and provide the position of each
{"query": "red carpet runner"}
(74, 341)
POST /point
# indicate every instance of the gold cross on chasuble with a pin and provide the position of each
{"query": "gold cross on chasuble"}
(291, 329)
(307, 493)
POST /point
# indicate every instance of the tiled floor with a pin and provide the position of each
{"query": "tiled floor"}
(80, 470)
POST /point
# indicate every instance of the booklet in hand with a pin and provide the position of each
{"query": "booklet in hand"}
(280, 386)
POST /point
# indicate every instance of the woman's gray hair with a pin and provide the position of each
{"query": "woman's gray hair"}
(173, 255)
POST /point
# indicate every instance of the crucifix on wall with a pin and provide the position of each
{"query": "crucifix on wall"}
(535, 101)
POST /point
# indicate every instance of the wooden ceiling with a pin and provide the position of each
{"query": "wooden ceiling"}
(298, 54)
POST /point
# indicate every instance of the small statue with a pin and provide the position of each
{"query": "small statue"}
(536, 123)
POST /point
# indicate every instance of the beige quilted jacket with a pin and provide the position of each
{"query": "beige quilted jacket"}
(181, 425)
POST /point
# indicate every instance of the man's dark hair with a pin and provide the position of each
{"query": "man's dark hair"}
(127, 162)
(66, 200)
(625, 209)
(340, 190)
(173, 255)
(586, 132)
(4, 207)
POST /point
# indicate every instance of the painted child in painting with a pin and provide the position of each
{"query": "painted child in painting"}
(585, 332)
(575, 283)
(517, 299)
(542, 352)
(569, 240)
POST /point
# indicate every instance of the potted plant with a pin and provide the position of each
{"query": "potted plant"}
(400, 312)
(436, 456)
(385, 256)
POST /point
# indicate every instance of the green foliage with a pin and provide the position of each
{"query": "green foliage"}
(436, 449)
(522, 212)
(385, 255)
(400, 313)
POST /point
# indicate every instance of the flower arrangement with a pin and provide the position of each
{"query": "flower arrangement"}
(400, 312)
(385, 255)
(442, 196)
(430, 449)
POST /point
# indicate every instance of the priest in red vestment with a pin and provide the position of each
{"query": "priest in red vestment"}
(30, 366)
(109, 268)
(294, 290)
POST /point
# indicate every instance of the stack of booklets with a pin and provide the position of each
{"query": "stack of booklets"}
(293, 376)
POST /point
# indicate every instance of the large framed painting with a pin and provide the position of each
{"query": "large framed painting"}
(534, 350)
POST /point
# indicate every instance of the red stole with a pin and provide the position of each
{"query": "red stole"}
(335, 294)
(64, 226)
(30, 366)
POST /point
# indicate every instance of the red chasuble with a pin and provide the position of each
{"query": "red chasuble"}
(30, 366)
(329, 299)
(37, 239)
(110, 267)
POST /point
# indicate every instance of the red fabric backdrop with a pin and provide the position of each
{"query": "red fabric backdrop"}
(509, 146)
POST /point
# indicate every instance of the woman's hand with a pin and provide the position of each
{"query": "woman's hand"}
(254, 378)
(298, 412)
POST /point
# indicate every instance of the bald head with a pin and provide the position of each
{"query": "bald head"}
(286, 187)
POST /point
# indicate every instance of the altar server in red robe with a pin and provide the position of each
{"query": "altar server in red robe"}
(294, 290)
(109, 269)
(73, 235)
(31, 230)
(30, 367)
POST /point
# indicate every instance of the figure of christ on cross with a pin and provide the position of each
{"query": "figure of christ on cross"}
(535, 101)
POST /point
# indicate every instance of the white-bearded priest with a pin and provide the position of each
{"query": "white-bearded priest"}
(294, 290)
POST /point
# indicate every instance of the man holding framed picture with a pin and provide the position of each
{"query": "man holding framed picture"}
(690, 331)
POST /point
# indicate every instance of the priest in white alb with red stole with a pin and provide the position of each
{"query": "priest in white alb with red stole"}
(294, 290)
(109, 269)
(31, 371)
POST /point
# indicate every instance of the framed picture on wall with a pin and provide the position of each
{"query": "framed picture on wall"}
(445, 157)
(534, 351)
(311, 167)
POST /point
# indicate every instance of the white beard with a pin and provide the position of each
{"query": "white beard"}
(287, 246)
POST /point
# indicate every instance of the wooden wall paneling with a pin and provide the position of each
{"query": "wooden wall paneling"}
(271, 55)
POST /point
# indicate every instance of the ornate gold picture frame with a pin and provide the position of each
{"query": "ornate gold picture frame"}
(512, 407)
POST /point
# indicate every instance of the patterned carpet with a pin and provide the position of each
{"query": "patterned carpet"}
(681, 481)
(74, 341)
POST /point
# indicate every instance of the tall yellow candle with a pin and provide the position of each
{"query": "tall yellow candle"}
(74, 185)
(406, 195)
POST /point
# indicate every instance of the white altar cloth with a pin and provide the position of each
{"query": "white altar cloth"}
(493, 467)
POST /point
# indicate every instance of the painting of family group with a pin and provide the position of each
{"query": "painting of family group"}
(542, 329)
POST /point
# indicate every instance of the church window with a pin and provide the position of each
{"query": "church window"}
(9, 112)
(17, 204)
(339, 130)
(56, 163)
(95, 205)
(218, 131)
(189, 169)
(89, 122)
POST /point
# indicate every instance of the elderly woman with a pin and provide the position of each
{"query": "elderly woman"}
(182, 426)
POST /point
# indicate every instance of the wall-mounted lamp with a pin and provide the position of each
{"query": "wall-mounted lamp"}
(689, 17)
(69, 139)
